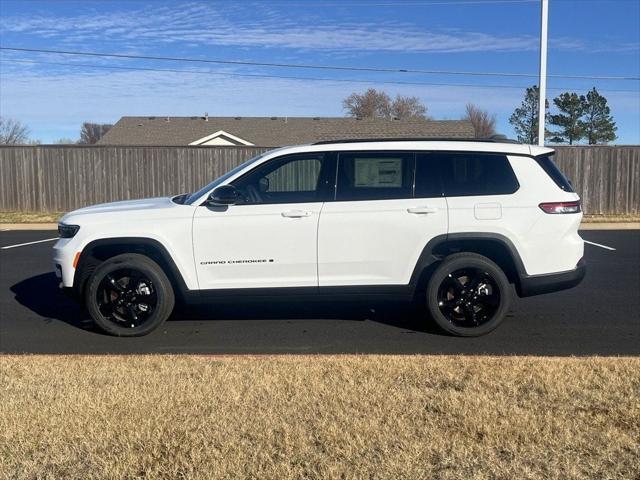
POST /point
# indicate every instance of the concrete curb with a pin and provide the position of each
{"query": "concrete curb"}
(584, 226)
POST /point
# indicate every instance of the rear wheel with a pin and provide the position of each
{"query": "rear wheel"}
(468, 295)
(129, 295)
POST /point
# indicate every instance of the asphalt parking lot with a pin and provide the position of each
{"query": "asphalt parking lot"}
(599, 317)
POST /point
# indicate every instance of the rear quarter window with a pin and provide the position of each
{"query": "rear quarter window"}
(554, 172)
(476, 174)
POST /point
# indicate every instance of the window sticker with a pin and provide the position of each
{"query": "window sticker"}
(378, 172)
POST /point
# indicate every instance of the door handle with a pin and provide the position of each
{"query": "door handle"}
(296, 214)
(422, 210)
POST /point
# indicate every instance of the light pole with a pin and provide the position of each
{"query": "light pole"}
(544, 17)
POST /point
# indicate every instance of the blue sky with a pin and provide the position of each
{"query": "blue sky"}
(587, 37)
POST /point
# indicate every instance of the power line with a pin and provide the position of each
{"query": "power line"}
(288, 77)
(308, 66)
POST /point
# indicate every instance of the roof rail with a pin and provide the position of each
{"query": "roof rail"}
(491, 139)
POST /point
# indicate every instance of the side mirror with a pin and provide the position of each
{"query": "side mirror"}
(223, 195)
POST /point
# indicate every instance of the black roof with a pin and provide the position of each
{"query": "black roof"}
(492, 139)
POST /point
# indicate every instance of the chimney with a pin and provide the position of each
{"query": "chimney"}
(206, 116)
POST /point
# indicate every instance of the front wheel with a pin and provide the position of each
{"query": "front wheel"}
(468, 295)
(129, 295)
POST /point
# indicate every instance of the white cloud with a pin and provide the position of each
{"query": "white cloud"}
(205, 25)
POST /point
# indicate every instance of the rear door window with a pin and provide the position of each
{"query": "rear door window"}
(428, 184)
(375, 176)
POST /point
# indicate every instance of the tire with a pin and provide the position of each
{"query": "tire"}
(129, 295)
(468, 295)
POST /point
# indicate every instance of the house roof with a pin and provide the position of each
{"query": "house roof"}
(275, 131)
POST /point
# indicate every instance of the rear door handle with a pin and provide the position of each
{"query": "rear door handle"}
(296, 214)
(422, 210)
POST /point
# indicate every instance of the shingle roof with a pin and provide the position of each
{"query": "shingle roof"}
(275, 132)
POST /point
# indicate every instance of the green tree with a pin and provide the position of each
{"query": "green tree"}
(597, 123)
(525, 118)
(571, 108)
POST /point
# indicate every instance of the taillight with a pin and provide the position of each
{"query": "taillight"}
(560, 207)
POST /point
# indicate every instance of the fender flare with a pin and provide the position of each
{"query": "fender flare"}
(174, 273)
(430, 256)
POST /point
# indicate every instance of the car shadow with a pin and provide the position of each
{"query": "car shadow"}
(41, 295)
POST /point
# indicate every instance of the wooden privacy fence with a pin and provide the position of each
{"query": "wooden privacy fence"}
(62, 178)
(52, 178)
(606, 178)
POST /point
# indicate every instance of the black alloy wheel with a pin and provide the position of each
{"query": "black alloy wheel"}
(469, 297)
(126, 297)
(129, 295)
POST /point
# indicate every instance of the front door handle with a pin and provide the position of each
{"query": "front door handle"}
(422, 210)
(296, 214)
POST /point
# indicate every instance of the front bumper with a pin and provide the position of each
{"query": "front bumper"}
(552, 282)
(63, 255)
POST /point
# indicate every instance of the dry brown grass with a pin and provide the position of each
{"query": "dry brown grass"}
(622, 218)
(53, 217)
(30, 217)
(411, 417)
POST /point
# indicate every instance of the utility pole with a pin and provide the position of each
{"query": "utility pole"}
(544, 20)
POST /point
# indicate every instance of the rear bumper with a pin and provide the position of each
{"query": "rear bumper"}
(553, 282)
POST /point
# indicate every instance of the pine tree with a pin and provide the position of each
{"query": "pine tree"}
(525, 118)
(572, 107)
(598, 124)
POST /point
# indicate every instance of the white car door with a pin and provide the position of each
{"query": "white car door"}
(269, 237)
(375, 231)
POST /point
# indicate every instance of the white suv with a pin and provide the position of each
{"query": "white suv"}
(451, 223)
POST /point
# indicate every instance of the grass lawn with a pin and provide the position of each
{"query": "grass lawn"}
(30, 217)
(319, 417)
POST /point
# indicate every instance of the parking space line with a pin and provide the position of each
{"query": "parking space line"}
(598, 245)
(28, 243)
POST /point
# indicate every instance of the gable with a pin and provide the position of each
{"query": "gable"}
(221, 138)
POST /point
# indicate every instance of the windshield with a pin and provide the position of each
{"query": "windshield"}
(207, 188)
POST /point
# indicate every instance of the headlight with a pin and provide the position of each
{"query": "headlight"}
(67, 231)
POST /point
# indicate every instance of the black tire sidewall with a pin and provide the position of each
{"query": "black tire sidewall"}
(162, 285)
(460, 261)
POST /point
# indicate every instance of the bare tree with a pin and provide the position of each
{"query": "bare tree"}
(13, 131)
(90, 133)
(408, 107)
(369, 104)
(483, 122)
(377, 104)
